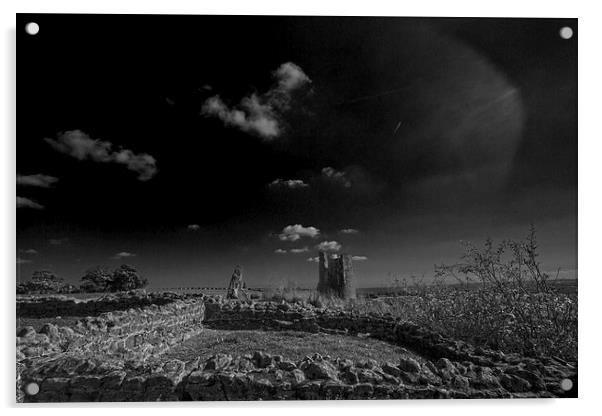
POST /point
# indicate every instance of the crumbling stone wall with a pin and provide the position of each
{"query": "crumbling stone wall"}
(133, 334)
(96, 344)
(57, 305)
(262, 376)
(447, 369)
(336, 275)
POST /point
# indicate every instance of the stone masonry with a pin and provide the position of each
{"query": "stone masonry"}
(336, 275)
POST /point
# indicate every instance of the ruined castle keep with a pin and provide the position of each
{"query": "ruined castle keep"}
(336, 275)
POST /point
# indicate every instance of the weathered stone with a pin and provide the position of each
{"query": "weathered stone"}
(52, 331)
(320, 370)
(368, 376)
(349, 376)
(391, 369)
(218, 362)
(262, 359)
(459, 382)
(286, 365)
(515, 384)
(336, 275)
(409, 365)
(26, 332)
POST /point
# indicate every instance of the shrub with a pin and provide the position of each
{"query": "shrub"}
(97, 279)
(127, 278)
(45, 282)
(504, 301)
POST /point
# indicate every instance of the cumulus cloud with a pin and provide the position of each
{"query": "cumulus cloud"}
(289, 184)
(329, 246)
(297, 231)
(39, 180)
(79, 145)
(359, 258)
(28, 203)
(336, 177)
(22, 261)
(299, 250)
(280, 251)
(313, 259)
(194, 227)
(261, 114)
(349, 231)
(122, 255)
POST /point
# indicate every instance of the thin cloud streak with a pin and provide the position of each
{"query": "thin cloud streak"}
(28, 203)
(39, 180)
(81, 146)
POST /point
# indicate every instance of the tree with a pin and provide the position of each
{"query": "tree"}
(44, 281)
(96, 279)
(127, 277)
(45, 276)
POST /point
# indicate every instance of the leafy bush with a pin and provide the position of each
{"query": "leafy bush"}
(124, 278)
(45, 282)
(127, 278)
(504, 301)
(96, 279)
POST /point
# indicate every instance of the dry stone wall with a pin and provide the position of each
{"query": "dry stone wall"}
(57, 305)
(543, 374)
(120, 359)
(98, 343)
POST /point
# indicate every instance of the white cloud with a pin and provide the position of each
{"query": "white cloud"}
(22, 261)
(42, 181)
(28, 203)
(123, 254)
(290, 184)
(194, 227)
(261, 114)
(336, 177)
(313, 259)
(349, 231)
(299, 250)
(297, 231)
(329, 246)
(30, 251)
(359, 258)
(58, 241)
(79, 145)
(280, 251)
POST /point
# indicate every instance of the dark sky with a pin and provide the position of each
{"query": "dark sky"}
(159, 141)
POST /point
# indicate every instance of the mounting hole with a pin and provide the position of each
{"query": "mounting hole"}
(32, 389)
(566, 384)
(566, 32)
(32, 28)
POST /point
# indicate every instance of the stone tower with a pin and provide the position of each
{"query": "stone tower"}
(336, 275)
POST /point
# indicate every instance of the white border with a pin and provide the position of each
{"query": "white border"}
(590, 208)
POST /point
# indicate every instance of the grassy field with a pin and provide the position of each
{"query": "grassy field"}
(290, 344)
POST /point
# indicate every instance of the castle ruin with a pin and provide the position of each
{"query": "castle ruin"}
(336, 275)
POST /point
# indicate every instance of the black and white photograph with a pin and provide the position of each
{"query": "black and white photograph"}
(261, 208)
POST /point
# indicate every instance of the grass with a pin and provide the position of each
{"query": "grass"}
(291, 345)
(496, 297)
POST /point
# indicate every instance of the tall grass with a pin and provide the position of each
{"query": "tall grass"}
(496, 297)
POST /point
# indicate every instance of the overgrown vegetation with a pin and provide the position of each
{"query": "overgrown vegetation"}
(97, 279)
(44, 281)
(496, 296)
